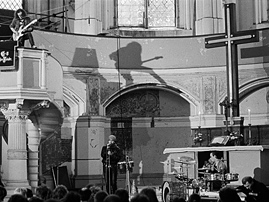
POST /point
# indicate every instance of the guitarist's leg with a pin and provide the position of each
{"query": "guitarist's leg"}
(21, 42)
(31, 39)
(29, 36)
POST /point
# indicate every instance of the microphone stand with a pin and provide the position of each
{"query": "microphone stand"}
(109, 170)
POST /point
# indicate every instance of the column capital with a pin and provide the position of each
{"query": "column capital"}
(15, 114)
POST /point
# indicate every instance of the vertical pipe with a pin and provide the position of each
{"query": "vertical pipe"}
(20, 70)
(256, 12)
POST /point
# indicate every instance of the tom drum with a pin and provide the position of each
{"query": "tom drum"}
(123, 165)
(231, 176)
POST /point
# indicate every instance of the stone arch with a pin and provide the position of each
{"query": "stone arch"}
(248, 88)
(252, 86)
(165, 87)
(75, 102)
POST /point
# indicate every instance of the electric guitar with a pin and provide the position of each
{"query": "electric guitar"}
(22, 29)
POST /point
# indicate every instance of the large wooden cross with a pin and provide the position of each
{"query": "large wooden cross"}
(231, 39)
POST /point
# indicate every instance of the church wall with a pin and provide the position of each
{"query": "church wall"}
(148, 146)
(54, 77)
(173, 105)
(181, 63)
(96, 54)
(246, 14)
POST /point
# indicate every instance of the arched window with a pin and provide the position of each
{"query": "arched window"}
(148, 14)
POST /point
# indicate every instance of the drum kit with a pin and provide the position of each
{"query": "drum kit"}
(184, 186)
(181, 186)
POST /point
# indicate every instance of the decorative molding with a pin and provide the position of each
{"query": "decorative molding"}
(93, 95)
(209, 94)
(144, 103)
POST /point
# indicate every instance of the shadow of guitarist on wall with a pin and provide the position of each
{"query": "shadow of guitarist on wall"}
(128, 59)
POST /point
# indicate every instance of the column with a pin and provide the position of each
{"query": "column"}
(17, 150)
(34, 138)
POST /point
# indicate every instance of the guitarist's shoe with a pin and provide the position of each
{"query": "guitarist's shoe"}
(34, 46)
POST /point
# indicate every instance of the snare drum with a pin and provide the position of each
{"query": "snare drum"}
(231, 176)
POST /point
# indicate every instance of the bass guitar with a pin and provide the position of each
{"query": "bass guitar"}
(22, 29)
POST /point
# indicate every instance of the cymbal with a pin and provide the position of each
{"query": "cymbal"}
(203, 169)
(184, 162)
(163, 162)
(187, 160)
(202, 173)
(176, 173)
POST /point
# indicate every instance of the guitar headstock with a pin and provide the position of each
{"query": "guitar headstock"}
(34, 21)
(158, 57)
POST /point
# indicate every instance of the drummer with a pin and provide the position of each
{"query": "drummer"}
(216, 167)
(217, 164)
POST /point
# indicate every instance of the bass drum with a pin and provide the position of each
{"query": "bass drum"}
(170, 190)
(166, 192)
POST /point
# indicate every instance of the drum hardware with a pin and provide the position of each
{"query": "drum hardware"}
(126, 167)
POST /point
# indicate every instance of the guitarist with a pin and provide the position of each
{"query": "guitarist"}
(19, 21)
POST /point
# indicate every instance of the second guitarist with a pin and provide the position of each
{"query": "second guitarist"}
(19, 21)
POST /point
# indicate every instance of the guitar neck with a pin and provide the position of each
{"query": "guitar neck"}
(29, 24)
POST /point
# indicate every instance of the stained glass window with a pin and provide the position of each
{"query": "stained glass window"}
(146, 13)
(10, 4)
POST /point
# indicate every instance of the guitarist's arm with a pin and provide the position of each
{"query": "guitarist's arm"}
(12, 27)
(30, 28)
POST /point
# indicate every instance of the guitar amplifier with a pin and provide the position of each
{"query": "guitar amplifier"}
(7, 55)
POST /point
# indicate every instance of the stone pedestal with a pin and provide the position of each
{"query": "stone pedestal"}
(88, 144)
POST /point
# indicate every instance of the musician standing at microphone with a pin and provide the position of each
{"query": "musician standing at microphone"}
(19, 21)
(111, 154)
